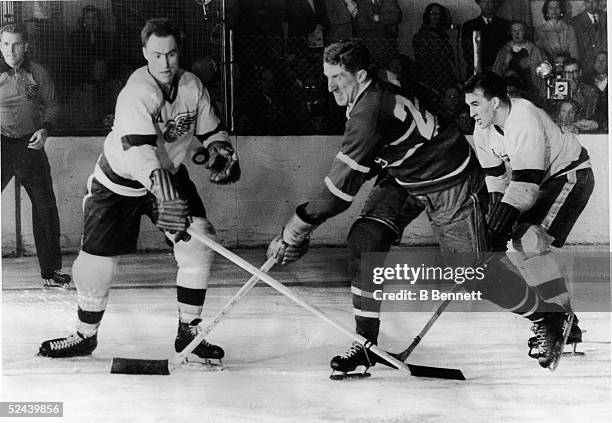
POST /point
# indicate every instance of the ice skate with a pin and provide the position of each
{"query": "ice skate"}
(574, 338)
(356, 356)
(57, 279)
(204, 352)
(72, 346)
(551, 334)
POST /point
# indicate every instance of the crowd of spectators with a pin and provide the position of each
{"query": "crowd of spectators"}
(278, 86)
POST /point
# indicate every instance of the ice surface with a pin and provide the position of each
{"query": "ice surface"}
(277, 364)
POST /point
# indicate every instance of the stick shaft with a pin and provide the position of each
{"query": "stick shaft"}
(417, 339)
(242, 292)
(290, 294)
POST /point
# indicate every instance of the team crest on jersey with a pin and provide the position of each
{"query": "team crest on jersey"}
(178, 126)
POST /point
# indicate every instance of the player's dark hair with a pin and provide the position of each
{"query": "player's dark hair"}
(16, 28)
(351, 55)
(491, 85)
(161, 27)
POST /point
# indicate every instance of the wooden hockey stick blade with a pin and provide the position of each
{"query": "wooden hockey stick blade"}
(435, 372)
(428, 371)
(134, 366)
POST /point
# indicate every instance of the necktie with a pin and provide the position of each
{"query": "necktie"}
(595, 22)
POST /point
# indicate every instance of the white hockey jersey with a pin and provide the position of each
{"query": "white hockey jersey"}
(529, 150)
(152, 131)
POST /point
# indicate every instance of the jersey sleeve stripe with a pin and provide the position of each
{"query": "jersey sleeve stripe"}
(352, 163)
(138, 140)
(495, 171)
(534, 176)
(338, 193)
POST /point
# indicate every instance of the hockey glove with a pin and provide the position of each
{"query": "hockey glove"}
(500, 223)
(293, 241)
(172, 211)
(223, 163)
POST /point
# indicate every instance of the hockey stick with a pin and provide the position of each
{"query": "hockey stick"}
(165, 367)
(417, 339)
(422, 371)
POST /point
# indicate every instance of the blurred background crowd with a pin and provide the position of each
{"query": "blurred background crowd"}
(261, 59)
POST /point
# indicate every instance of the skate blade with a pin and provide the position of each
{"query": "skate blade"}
(573, 352)
(348, 376)
(567, 326)
(52, 285)
(212, 364)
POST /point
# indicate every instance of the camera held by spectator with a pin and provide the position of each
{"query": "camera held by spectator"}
(557, 86)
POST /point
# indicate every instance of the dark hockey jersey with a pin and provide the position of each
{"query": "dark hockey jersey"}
(391, 129)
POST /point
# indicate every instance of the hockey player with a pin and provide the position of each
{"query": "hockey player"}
(140, 172)
(539, 178)
(428, 165)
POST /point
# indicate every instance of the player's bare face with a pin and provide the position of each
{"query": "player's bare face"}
(482, 110)
(341, 83)
(162, 57)
(13, 48)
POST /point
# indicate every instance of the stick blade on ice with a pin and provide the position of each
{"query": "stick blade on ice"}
(435, 372)
(134, 366)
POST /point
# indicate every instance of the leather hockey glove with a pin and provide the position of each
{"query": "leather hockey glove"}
(500, 224)
(172, 211)
(223, 163)
(293, 241)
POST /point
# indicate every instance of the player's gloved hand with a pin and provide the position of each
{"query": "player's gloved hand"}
(293, 241)
(223, 163)
(494, 199)
(173, 213)
(500, 224)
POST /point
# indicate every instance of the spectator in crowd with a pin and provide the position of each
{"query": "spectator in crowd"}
(591, 28)
(522, 57)
(260, 17)
(554, 35)
(92, 103)
(305, 18)
(262, 111)
(599, 79)
(566, 119)
(88, 42)
(433, 53)
(340, 14)
(494, 33)
(583, 93)
(28, 111)
(377, 19)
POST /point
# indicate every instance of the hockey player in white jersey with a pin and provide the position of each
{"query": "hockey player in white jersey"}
(140, 172)
(539, 180)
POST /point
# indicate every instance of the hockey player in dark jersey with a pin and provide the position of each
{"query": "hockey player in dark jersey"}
(140, 172)
(425, 165)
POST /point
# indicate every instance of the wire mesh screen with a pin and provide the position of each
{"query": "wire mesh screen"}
(91, 47)
(277, 84)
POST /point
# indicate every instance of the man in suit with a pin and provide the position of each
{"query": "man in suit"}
(377, 19)
(495, 32)
(591, 33)
(304, 17)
